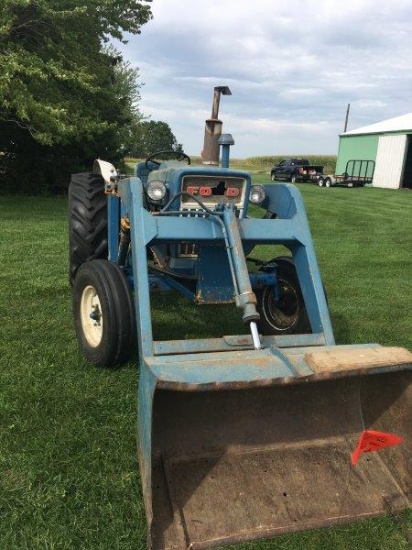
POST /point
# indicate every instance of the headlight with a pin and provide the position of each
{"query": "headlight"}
(156, 190)
(257, 194)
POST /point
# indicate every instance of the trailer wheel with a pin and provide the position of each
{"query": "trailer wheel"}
(287, 314)
(321, 182)
(328, 182)
(103, 313)
(87, 221)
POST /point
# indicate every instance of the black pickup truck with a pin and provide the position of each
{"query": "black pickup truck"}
(295, 169)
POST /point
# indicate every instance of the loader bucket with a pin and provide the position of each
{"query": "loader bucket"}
(253, 444)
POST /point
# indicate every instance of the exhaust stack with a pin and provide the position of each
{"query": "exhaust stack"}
(213, 129)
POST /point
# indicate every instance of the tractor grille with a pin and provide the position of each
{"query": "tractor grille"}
(213, 190)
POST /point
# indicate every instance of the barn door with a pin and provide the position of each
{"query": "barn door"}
(407, 171)
(389, 161)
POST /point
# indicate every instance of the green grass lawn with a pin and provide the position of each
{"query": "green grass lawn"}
(68, 467)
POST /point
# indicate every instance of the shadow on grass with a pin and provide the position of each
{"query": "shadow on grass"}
(176, 318)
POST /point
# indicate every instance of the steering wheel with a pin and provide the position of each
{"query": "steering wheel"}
(158, 157)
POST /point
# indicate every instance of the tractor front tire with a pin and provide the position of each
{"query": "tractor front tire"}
(287, 314)
(87, 221)
(103, 313)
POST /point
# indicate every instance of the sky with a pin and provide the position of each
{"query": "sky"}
(293, 66)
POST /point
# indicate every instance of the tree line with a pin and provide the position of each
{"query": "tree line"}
(66, 94)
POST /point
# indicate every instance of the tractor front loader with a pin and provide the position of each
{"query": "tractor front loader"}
(240, 436)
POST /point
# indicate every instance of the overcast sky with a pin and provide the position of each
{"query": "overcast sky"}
(292, 67)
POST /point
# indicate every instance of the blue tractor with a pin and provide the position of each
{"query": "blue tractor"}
(201, 267)
(241, 436)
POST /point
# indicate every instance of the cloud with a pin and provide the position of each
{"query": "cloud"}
(292, 66)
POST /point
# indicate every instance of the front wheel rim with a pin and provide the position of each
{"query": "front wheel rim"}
(283, 314)
(91, 317)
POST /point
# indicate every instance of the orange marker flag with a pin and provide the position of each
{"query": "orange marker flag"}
(371, 441)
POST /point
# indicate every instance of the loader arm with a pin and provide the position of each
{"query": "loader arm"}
(289, 228)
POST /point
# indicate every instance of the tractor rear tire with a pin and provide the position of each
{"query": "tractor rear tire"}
(288, 314)
(103, 313)
(87, 221)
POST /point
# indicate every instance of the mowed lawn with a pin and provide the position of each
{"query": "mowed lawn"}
(68, 467)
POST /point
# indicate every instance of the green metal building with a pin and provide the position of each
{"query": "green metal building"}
(388, 144)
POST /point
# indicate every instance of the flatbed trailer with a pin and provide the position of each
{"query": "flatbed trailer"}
(357, 174)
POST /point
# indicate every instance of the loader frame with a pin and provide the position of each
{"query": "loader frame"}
(185, 379)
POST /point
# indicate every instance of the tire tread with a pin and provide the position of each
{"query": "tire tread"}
(87, 221)
(119, 332)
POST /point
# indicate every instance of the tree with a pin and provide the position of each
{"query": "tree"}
(151, 136)
(60, 86)
(51, 60)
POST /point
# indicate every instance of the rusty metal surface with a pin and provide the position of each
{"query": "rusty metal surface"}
(270, 366)
(237, 465)
(213, 128)
(334, 360)
(267, 492)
